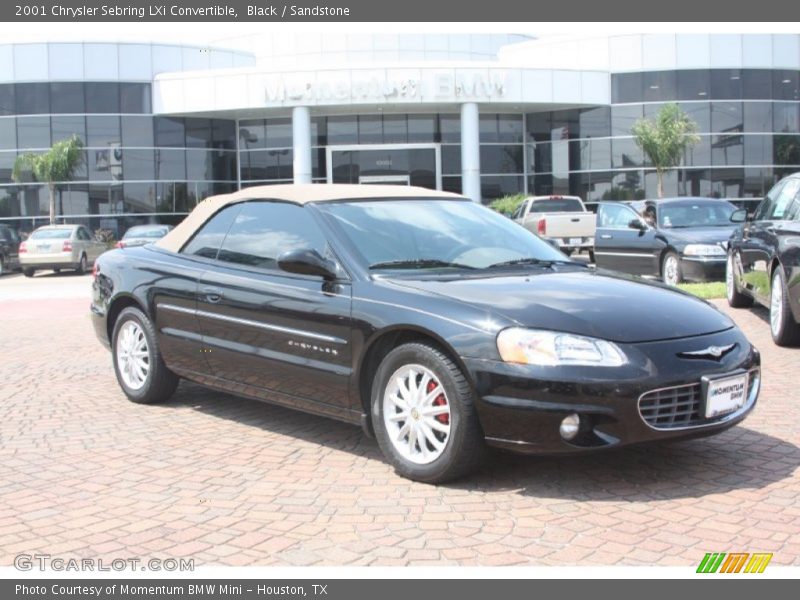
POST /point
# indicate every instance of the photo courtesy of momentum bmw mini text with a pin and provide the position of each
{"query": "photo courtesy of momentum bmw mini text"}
(356, 299)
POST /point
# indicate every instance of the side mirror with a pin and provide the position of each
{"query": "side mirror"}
(637, 224)
(739, 216)
(307, 261)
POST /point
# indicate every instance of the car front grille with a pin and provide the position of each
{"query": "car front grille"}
(679, 407)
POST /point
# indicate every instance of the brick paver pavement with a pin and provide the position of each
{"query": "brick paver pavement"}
(85, 473)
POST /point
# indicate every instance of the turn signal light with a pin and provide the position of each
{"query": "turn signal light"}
(541, 227)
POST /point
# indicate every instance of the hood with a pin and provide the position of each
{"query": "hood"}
(700, 235)
(592, 303)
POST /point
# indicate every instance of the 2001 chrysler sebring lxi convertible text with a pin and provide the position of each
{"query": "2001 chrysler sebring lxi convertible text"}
(436, 323)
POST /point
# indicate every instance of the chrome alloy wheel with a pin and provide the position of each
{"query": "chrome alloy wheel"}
(776, 305)
(671, 270)
(133, 355)
(416, 414)
(730, 277)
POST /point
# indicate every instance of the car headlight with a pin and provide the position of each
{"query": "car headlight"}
(552, 348)
(704, 250)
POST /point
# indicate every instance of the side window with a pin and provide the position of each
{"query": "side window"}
(766, 205)
(5, 234)
(264, 230)
(780, 208)
(615, 216)
(83, 234)
(208, 239)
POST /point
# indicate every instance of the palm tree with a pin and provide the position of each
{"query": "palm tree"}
(665, 139)
(56, 165)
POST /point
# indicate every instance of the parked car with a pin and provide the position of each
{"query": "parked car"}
(563, 219)
(9, 249)
(139, 235)
(437, 324)
(763, 262)
(59, 247)
(676, 239)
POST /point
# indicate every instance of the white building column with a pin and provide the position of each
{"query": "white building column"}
(301, 144)
(470, 152)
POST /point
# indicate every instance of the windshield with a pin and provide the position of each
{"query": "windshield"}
(145, 232)
(51, 234)
(435, 234)
(557, 205)
(695, 214)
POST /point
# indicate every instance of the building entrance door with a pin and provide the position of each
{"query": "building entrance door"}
(396, 164)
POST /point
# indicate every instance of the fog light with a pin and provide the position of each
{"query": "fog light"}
(570, 426)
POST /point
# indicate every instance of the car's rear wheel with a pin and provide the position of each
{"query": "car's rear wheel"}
(28, 272)
(140, 370)
(671, 269)
(785, 331)
(81, 265)
(423, 413)
(735, 298)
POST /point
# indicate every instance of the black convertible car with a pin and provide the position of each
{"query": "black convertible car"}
(437, 324)
(675, 239)
(764, 261)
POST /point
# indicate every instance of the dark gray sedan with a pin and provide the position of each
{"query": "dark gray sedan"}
(675, 239)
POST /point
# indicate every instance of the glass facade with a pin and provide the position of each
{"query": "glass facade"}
(137, 167)
(747, 121)
(265, 146)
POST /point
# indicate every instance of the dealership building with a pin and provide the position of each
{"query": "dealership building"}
(165, 126)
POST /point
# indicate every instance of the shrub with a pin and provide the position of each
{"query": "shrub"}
(507, 204)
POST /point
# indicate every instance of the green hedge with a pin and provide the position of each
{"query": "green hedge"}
(507, 204)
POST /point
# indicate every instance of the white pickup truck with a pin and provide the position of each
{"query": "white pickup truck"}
(563, 219)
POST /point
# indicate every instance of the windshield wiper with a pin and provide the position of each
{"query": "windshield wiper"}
(418, 263)
(533, 261)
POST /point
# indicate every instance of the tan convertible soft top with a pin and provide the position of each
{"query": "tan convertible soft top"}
(296, 193)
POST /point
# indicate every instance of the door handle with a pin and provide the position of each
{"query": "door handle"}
(212, 294)
(606, 236)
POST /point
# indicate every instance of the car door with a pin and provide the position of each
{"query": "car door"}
(759, 238)
(271, 331)
(84, 243)
(620, 247)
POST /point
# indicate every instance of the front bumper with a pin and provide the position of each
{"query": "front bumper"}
(521, 407)
(696, 268)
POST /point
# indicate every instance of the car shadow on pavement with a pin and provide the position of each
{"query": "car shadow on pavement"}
(737, 459)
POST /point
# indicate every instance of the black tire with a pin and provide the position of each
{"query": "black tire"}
(667, 277)
(788, 331)
(28, 272)
(81, 265)
(160, 382)
(568, 251)
(2, 266)
(464, 448)
(591, 256)
(736, 299)
(57, 271)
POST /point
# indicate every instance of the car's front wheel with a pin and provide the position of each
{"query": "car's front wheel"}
(785, 331)
(424, 417)
(735, 298)
(671, 269)
(140, 370)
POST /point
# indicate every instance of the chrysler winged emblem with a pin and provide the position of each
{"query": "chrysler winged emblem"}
(713, 352)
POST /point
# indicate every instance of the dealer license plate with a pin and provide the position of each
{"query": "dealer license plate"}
(725, 395)
(575, 241)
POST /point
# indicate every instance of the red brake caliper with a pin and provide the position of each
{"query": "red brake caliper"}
(440, 401)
